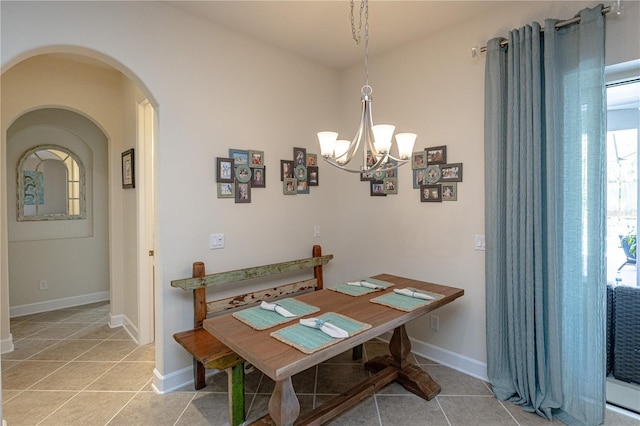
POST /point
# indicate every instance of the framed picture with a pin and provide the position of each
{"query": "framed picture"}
(313, 176)
(377, 188)
(302, 187)
(225, 170)
(243, 192)
(433, 174)
(449, 191)
(312, 160)
(419, 178)
(226, 190)
(239, 156)
(366, 176)
(390, 185)
(371, 160)
(436, 155)
(451, 172)
(256, 158)
(289, 186)
(301, 173)
(390, 170)
(286, 169)
(128, 169)
(379, 174)
(419, 160)
(431, 193)
(243, 173)
(259, 178)
(300, 157)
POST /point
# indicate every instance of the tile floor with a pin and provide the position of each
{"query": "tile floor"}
(70, 368)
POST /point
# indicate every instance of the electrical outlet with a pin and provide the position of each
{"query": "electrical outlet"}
(43, 285)
(435, 322)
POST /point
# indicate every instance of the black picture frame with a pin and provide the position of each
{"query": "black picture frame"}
(243, 192)
(436, 154)
(377, 188)
(313, 175)
(299, 156)
(259, 177)
(431, 193)
(451, 172)
(225, 170)
(286, 169)
(128, 169)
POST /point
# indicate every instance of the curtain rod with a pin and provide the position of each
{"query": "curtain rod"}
(576, 20)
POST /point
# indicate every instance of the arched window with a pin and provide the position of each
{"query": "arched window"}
(51, 184)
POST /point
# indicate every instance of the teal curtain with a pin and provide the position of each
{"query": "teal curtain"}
(545, 218)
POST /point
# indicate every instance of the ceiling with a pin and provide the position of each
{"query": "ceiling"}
(321, 30)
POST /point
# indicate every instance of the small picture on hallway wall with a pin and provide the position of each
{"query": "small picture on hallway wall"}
(128, 170)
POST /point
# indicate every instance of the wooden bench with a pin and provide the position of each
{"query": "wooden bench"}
(207, 351)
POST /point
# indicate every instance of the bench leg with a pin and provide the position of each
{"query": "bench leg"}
(236, 394)
(357, 353)
(198, 375)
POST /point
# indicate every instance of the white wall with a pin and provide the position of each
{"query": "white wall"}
(214, 90)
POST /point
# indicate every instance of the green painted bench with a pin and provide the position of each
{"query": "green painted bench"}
(210, 353)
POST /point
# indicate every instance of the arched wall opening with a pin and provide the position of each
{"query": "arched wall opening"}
(91, 85)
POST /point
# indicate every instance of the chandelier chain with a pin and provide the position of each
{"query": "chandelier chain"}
(356, 33)
(364, 6)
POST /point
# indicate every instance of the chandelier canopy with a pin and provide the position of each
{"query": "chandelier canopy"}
(376, 140)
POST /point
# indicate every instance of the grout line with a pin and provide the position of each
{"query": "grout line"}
(185, 407)
(437, 398)
(508, 412)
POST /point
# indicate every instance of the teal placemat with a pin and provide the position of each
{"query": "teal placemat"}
(261, 319)
(405, 303)
(353, 290)
(310, 340)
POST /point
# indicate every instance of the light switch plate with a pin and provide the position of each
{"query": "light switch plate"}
(216, 241)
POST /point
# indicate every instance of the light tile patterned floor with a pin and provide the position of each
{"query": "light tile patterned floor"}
(70, 368)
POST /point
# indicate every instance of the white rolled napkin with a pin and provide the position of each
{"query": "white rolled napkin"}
(365, 284)
(277, 308)
(325, 327)
(412, 293)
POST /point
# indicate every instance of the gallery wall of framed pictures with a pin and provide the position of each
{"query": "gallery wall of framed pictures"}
(244, 170)
(382, 182)
(299, 174)
(436, 178)
(239, 173)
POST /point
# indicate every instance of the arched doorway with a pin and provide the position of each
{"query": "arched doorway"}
(110, 100)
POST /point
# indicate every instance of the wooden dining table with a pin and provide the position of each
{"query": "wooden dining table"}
(280, 361)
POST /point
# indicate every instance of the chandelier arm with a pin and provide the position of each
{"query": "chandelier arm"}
(342, 167)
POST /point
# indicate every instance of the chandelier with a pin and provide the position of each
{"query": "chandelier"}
(375, 140)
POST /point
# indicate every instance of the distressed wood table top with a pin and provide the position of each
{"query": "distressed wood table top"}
(279, 360)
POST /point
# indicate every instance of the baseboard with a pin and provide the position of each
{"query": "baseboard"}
(461, 363)
(124, 322)
(51, 305)
(6, 345)
(176, 380)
